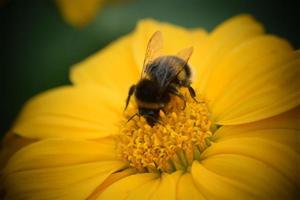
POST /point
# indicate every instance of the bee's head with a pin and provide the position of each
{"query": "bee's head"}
(147, 91)
(151, 115)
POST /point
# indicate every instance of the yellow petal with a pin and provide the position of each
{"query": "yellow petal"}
(10, 144)
(283, 158)
(59, 169)
(175, 39)
(248, 76)
(52, 153)
(71, 112)
(187, 189)
(215, 186)
(143, 186)
(110, 180)
(269, 87)
(261, 180)
(127, 186)
(144, 191)
(112, 67)
(167, 188)
(72, 182)
(226, 37)
(78, 13)
(263, 155)
(283, 129)
(253, 57)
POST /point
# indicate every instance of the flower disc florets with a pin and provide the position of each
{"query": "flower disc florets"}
(170, 145)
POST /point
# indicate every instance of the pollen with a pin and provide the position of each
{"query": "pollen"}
(172, 144)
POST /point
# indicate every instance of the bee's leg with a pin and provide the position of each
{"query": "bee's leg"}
(192, 93)
(130, 93)
(164, 111)
(175, 92)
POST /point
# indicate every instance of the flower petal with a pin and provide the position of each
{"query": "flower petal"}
(167, 187)
(187, 189)
(254, 78)
(283, 129)
(71, 112)
(64, 152)
(214, 186)
(260, 180)
(270, 86)
(221, 41)
(262, 155)
(10, 144)
(113, 67)
(274, 142)
(110, 180)
(143, 186)
(79, 13)
(124, 187)
(59, 169)
(281, 157)
(72, 182)
(175, 39)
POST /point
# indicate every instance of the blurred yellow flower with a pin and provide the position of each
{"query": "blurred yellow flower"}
(242, 143)
(79, 12)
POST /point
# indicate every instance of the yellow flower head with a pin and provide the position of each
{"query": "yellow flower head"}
(239, 141)
(79, 12)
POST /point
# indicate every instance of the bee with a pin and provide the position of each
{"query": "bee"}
(161, 77)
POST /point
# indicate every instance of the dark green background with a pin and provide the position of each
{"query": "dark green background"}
(38, 47)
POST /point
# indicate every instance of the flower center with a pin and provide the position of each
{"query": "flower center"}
(170, 145)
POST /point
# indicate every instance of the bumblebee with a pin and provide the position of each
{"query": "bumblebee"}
(161, 77)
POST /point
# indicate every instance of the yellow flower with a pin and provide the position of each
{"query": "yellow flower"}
(241, 142)
(79, 12)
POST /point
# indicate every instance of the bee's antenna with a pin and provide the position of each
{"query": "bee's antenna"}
(132, 117)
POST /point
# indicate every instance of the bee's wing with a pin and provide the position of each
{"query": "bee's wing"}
(185, 55)
(153, 51)
(176, 66)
